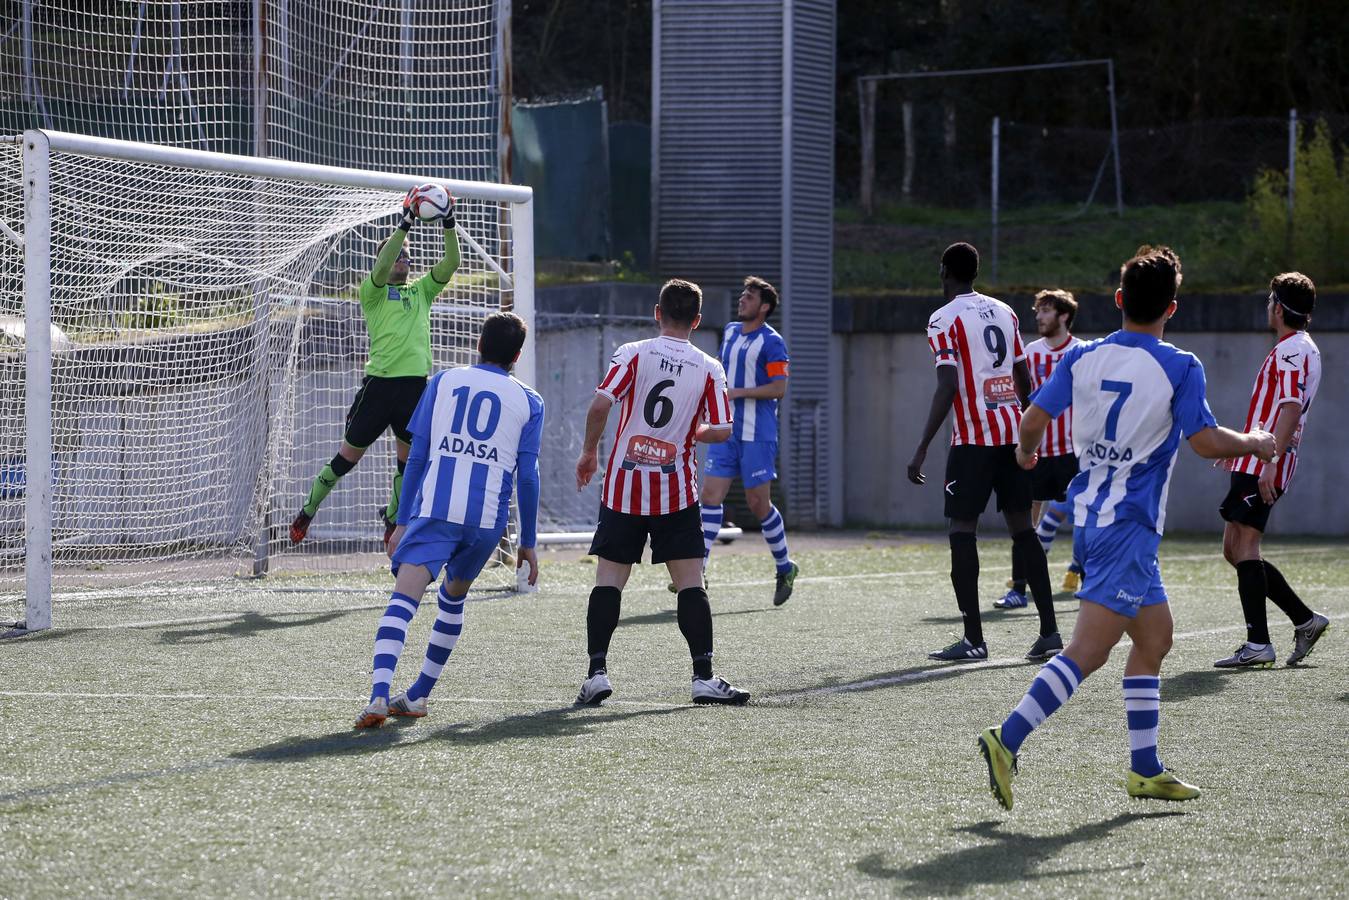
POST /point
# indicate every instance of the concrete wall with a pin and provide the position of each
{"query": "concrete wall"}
(888, 386)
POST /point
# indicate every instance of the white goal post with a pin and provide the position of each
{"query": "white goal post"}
(204, 284)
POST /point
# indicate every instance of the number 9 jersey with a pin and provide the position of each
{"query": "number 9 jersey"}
(980, 336)
(665, 388)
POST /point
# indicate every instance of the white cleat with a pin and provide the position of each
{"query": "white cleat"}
(373, 715)
(410, 709)
(594, 690)
(718, 690)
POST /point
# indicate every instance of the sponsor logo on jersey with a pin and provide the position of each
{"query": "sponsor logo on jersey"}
(474, 449)
(644, 450)
(998, 391)
(673, 366)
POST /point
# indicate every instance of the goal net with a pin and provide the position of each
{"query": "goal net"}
(205, 344)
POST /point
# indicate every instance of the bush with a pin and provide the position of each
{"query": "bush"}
(1314, 241)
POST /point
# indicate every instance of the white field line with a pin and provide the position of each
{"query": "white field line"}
(560, 701)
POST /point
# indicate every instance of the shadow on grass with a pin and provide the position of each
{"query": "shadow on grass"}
(671, 616)
(1011, 858)
(1343, 698)
(895, 678)
(246, 625)
(566, 721)
(1197, 683)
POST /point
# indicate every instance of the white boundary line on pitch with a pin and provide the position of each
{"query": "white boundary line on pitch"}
(558, 702)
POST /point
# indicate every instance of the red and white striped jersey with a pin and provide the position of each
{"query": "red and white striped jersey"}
(1291, 372)
(664, 387)
(980, 336)
(1041, 358)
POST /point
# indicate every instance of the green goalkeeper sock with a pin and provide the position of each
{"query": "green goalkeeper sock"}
(325, 482)
(391, 511)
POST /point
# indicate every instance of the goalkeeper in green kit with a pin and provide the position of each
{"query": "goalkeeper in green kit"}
(398, 318)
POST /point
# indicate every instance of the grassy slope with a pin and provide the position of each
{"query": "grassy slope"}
(854, 772)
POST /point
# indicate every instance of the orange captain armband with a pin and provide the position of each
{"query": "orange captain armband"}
(777, 369)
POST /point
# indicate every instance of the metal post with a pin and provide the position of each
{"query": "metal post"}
(866, 100)
(37, 313)
(259, 78)
(1114, 136)
(993, 255)
(1292, 162)
(522, 297)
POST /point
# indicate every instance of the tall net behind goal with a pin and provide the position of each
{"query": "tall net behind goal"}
(206, 342)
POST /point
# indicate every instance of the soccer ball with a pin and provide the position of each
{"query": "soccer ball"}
(433, 202)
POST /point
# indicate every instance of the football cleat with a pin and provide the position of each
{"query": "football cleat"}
(1072, 581)
(1001, 765)
(1013, 599)
(410, 709)
(961, 651)
(1045, 646)
(299, 527)
(594, 690)
(1165, 786)
(784, 586)
(717, 690)
(1305, 638)
(1248, 657)
(373, 715)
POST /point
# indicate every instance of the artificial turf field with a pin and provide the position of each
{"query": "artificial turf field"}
(199, 742)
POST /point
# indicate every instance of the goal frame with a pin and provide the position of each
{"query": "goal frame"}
(37, 147)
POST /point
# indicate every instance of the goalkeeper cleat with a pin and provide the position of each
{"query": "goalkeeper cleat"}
(410, 709)
(961, 651)
(1045, 646)
(1165, 786)
(1072, 581)
(1013, 599)
(1305, 638)
(784, 586)
(300, 526)
(373, 715)
(1248, 656)
(717, 690)
(1001, 765)
(594, 690)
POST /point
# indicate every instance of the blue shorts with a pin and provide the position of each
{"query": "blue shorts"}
(1122, 572)
(754, 461)
(458, 549)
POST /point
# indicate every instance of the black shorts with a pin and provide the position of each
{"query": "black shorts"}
(1051, 475)
(383, 403)
(621, 537)
(972, 473)
(1243, 503)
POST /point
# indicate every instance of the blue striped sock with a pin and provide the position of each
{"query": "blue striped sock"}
(775, 533)
(711, 528)
(1048, 529)
(1052, 687)
(444, 635)
(1142, 709)
(389, 639)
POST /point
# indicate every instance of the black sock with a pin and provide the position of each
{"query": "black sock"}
(965, 580)
(1251, 587)
(340, 465)
(601, 620)
(695, 623)
(1026, 544)
(1018, 570)
(1284, 597)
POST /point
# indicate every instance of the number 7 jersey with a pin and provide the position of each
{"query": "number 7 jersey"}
(665, 388)
(980, 336)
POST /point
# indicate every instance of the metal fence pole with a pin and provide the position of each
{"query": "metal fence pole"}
(1114, 136)
(994, 241)
(866, 100)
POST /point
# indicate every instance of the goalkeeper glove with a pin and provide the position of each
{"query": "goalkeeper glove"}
(410, 209)
(448, 219)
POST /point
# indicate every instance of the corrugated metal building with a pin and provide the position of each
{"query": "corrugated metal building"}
(743, 183)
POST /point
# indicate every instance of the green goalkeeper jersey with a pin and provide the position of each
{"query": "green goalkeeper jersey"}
(398, 317)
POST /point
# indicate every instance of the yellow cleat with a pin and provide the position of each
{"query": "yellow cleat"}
(1072, 581)
(1001, 765)
(1160, 787)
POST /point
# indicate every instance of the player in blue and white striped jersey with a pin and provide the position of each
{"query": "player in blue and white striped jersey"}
(755, 359)
(475, 431)
(1132, 397)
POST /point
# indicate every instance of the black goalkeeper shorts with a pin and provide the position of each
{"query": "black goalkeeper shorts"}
(383, 403)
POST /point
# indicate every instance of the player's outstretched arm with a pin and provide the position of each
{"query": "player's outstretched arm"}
(388, 254)
(596, 418)
(942, 398)
(444, 270)
(712, 434)
(1224, 443)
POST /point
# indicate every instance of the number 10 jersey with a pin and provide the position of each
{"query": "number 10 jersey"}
(980, 336)
(665, 388)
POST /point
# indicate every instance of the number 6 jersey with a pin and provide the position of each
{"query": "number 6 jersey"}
(664, 387)
(980, 337)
